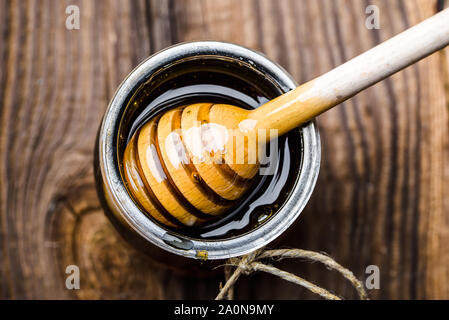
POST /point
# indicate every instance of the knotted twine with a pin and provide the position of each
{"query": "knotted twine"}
(250, 263)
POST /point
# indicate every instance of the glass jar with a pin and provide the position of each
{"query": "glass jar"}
(205, 70)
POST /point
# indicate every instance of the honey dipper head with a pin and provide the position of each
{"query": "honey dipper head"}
(191, 164)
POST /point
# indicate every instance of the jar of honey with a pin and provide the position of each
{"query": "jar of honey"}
(204, 72)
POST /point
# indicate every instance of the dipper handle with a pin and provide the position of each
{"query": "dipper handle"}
(320, 94)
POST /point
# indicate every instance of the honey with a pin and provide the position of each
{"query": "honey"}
(147, 178)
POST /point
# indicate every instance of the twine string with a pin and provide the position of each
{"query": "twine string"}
(251, 263)
(241, 264)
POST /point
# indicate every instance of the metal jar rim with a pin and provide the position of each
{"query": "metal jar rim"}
(137, 220)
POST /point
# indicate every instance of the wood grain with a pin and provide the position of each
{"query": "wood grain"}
(382, 195)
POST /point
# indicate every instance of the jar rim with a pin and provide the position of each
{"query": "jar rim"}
(122, 202)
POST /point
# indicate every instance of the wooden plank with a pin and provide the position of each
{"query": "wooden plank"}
(381, 197)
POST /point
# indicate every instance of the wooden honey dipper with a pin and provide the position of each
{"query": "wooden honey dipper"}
(193, 163)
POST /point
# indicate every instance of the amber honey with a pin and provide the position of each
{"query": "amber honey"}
(218, 82)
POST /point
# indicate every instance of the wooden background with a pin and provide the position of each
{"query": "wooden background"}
(381, 198)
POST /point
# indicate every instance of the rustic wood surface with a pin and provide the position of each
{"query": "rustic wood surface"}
(381, 198)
